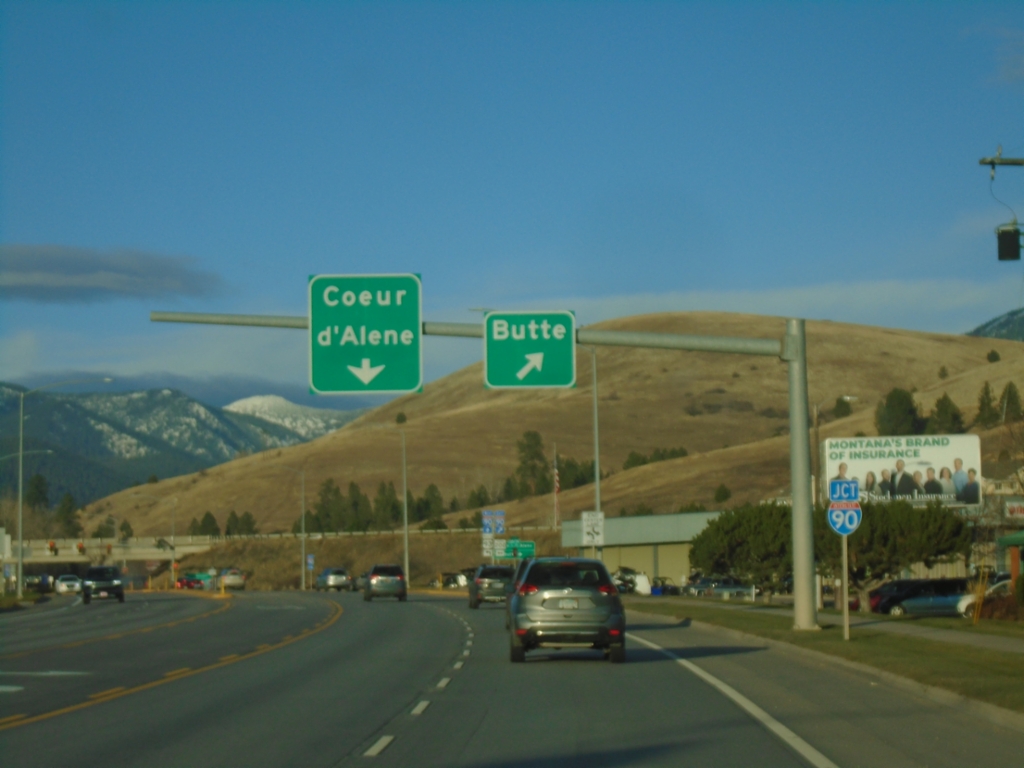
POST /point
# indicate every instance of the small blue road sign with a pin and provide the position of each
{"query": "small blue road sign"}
(843, 490)
(844, 517)
(309, 562)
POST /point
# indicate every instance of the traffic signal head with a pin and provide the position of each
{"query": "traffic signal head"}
(1008, 237)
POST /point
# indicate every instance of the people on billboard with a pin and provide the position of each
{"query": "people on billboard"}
(959, 476)
(931, 485)
(885, 486)
(972, 489)
(842, 473)
(871, 486)
(946, 481)
(902, 482)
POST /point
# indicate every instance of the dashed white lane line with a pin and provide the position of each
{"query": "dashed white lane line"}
(419, 708)
(11, 688)
(465, 652)
(469, 643)
(443, 683)
(378, 746)
(458, 665)
(794, 742)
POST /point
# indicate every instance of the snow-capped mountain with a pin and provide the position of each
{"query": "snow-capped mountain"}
(101, 443)
(1007, 326)
(304, 421)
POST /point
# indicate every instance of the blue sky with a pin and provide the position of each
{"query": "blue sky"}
(816, 160)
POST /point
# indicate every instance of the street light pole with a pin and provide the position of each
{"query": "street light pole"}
(597, 443)
(405, 511)
(302, 565)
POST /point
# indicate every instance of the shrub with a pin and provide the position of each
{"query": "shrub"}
(943, 373)
(993, 356)
(722, 494)
(842, 408)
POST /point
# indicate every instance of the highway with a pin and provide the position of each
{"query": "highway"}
(300, 679)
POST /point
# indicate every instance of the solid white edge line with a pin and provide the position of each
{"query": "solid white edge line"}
(794, 742)
(419, 708)
(378, 746)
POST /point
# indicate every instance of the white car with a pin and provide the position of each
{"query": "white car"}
(68, 584)
(966, 605)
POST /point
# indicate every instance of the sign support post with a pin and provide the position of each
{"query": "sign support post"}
(846, 587)
(844, 516)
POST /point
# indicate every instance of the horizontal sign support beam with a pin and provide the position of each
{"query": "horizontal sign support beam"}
(740, 346)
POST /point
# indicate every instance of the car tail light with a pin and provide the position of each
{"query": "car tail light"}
(608, 589)
(479, 582)
(527, 589)
(614, 632)
(374, 578)
(521, 632)
(399, 577)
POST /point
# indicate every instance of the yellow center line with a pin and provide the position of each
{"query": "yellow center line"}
(116, 636)
(107, 692)
(229, 657)
(181, 671)
(19, 720)
(262, 647)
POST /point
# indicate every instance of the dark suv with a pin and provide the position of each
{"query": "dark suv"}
(102, 581)
(488, 584)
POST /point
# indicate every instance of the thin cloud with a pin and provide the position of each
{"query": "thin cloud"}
(61, 274)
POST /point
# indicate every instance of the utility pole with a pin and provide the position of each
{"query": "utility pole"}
(405, 512)
(1007, 235)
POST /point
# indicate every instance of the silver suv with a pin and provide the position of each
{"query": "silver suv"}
(334, 578)
(567, 603)
(488, 584)
(385, 581)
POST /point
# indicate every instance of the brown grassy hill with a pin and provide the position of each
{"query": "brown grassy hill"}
(729, 411)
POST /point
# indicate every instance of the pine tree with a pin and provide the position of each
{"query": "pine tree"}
(897, 414)
(126, 530)
(1009, 404)
(37, 495)
(209, 526)
(231, 526)
(946, 419)
(247, 524)
(988, 416)
(67, 517)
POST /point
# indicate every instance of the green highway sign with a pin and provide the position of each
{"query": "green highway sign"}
(529, 349)
(365, 333)
(508, 549)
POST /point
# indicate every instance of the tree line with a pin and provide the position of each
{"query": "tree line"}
(898, 413)
(755, 542)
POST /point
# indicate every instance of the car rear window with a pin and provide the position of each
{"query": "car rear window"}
(568, 574)
(387, 570)
(339, 572)
(101, 573)
(496, 573)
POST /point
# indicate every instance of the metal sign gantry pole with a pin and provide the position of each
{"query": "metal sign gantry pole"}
(792, 349)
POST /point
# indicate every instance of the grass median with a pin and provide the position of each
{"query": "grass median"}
(979, 673)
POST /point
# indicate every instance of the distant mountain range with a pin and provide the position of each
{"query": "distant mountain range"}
(102, 443)
(1007, 326)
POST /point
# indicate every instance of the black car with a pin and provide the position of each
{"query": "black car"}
(489, 584)
(892, 593)
(102, 581)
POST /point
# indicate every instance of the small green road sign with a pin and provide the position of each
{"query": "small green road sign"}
(529, 349)
(514, 548)
(365, 333)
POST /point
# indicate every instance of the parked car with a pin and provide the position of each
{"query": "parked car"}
(884, 597)
(68, 584)
(567, 602)
(102, 581)
(488, 584)
(721, 586)
(232, 578)
(663, 585)
(385, 581)
(188, 581)
(965, 606)
(625, 580)
(334, 578)
(930, 597)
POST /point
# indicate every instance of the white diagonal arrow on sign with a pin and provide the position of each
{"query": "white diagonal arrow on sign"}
(365, 373)
(536, 360)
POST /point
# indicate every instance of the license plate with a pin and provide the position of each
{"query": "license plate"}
(568, 604)
(103, 594)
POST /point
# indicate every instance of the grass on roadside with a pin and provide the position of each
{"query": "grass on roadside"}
(979, 673)
(9, 601)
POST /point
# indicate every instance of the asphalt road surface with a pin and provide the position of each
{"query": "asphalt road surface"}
(292, 679)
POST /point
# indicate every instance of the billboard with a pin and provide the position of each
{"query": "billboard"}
(914, 468)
